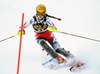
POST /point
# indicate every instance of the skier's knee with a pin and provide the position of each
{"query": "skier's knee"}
(40, 41)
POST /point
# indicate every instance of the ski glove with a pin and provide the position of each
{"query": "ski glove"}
(52, 29)
(19, 32)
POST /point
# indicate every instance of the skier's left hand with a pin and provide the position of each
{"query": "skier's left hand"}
(19, 32)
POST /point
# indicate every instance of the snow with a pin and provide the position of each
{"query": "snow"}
(80, 17)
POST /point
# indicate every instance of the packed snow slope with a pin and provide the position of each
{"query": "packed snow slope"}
(80, 17)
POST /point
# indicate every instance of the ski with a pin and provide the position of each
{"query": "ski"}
(77, 67)
(73, 64)
(57, 66)
(53, 64)
(47, 62)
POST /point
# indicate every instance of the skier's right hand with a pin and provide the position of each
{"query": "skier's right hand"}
(19, 32)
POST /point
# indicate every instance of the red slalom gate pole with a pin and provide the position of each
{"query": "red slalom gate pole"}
(20, 44)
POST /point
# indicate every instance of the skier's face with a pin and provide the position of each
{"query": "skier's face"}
(40, 16)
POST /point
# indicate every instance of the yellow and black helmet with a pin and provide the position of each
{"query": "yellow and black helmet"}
(41, 9)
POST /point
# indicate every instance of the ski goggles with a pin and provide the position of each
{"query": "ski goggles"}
(40, 14)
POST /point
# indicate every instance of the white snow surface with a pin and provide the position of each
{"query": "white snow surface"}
(80, 17)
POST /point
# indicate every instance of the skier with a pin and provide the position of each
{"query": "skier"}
(40, 23)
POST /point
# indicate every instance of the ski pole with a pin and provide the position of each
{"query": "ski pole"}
(54, 30)
(8, 38)
(18, 34)
(47, 62)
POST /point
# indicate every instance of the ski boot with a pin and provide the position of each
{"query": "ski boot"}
(69, 57)
(60, 59)
(65, 53)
